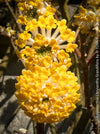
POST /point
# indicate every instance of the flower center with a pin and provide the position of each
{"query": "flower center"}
(44, 50)
(45, 99)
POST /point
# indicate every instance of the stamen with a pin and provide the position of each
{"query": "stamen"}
(48, 33)
(29, 43)
(58, 39)
(61, 41)
(43, 32)
(46, 3)
(35, 32)
(31, 40)
(56, 32)
(62, 46)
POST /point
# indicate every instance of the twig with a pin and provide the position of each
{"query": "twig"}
(90, 55)
(56, 17)
(13, 15)
(58, 12)
(78, 53)
(76, 33)
(92, 49)
(88, 60)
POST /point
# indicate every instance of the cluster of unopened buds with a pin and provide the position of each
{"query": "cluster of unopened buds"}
(46, 90)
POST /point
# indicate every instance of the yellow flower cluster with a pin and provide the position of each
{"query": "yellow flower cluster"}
(46, 10)
(47, 94)
(44, 47)
(87, 19)
(29, 4)
(95, 3)
(42, 7)
(46, 90)
(85, 15)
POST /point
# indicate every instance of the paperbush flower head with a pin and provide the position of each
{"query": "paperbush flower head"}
(47, 94)
(46, 10)
(42, 7)
(85, 15)
(28, 4)
(40, 43)
(87, 19)
(94, 3)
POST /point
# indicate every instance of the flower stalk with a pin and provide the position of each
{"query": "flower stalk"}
(40, 128)
(88, 99)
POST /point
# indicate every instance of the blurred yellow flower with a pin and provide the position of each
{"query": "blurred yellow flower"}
(41, 5)
(82, 11)
(28, 4)
(95, 3)
(87, 18)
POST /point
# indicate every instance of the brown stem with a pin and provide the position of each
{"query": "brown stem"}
(92, 49)
(58, 12)
(85, 76)
(88, 61)
(88, 100)
(40, 128)
(91, 55)
(76, 33)
(12, 13)
(78, 53)
(56, 17)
